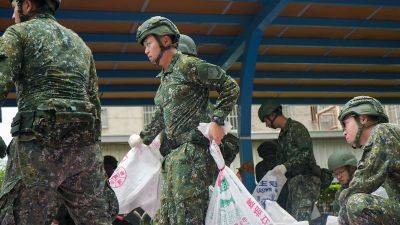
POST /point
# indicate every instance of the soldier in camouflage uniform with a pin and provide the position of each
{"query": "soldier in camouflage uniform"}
(268, 151)
(297, 161)
(182, 101)
(57, 128)
(343, 165)
(366, 126)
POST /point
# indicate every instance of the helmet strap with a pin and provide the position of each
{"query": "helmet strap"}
(163, 49)
(272, 120)
(361, 128)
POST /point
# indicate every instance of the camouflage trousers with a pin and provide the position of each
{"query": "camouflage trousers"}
(367, 209)
(303, 192)
(37, 176)
(187, 173)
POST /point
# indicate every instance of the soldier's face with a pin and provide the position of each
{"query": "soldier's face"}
(269, 121)
(350, 129)
(342, 175)
(17, 17)
(151, 48)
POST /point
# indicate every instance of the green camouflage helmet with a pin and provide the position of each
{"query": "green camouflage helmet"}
(363, 105)
(157, 25)
(267, 108)
(268, 149)
(340, 159)
(186, 45)
(54, 4)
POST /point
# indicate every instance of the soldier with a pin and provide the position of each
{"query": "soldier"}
(343, 165)
(57, 128)
(187, 46)
(297, 158)
(365, 126)
(268, 151)
(182, 101)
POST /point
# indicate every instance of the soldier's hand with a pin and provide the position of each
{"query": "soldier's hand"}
(3, 148)
(135, 141)
(216, 132)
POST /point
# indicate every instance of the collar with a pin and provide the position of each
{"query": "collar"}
(43, 16)
(170, 66)
(287, 125)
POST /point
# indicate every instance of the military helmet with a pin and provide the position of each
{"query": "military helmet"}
(54, 4)
(268, 148)
(363, 105)
(157, 25)
(186, 45)
(340, 159)
(267, 108)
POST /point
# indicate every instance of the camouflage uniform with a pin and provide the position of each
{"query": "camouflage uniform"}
(379, 165)
(181, 101)
(296, 154)
(57, 127)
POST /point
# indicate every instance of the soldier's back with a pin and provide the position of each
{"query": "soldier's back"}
(53, 62)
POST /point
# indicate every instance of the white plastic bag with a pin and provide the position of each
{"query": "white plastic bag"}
(269, 187)
(332, 220)
(137, 179)
(232, 204)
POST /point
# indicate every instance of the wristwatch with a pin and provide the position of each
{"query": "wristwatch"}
(218, 120)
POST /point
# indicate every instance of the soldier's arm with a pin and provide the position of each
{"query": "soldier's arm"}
(152, 129)
(216, 79)
(10, 61)
(93, 89)
(301, 154)
(371, 172)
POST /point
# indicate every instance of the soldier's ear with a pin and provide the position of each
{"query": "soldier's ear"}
(29, 6)
(363, 119)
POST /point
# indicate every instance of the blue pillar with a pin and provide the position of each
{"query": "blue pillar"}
(249, 60)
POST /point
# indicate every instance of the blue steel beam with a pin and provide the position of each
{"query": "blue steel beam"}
(258, 74)
(377, 3)
(245, 101)
(267, 59)
(328, 60)
(339, 2)
(317, 42)
(325, 88)
(282, 21)
(247, 90)
(326, 22)
(204, 39)
(139, 17)
(209, 39)
(260, 21)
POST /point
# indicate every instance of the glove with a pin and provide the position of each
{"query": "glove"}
(3, 148)
(135, 140)
(279, 169)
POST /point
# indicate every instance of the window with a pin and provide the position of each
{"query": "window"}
(327, 121)
(104, 118)
(233, 118)
(148, 114)
(327, 117)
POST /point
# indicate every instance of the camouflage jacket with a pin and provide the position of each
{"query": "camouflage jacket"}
(183, 96)
(379, 164)
(296, 149)
(49, 65)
